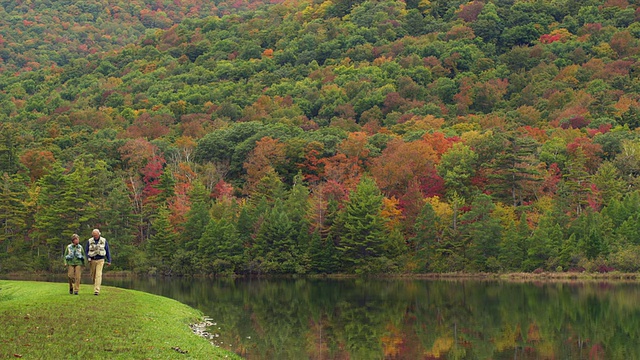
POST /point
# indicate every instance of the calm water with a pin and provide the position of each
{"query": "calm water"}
(412, 319)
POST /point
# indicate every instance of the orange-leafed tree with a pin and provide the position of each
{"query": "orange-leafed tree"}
(401, 162)
(37, 162)
(137, 152)
(150, 126)
(347, 165)
(355, 147)
(439, 142)
(195, 125)
(342, 170)
(311, 167)
(391, 212)
(262, 160)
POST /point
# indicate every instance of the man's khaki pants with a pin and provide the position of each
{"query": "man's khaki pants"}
(96, 274)
(74, 274)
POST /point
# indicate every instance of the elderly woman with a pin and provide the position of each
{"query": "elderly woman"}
(74, 261)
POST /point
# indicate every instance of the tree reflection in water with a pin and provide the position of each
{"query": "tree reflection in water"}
(412, 319)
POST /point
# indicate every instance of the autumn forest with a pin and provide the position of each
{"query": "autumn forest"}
(314, 137)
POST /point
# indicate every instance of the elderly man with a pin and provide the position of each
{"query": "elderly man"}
(97, 252)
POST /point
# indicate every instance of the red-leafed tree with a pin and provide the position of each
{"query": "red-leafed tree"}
(222, 190)
(151, 173)
(575, 122)
(549, 183)
(591, 152)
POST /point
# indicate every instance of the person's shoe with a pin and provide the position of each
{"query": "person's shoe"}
(95, 293)
(70, 291)
(75, 293)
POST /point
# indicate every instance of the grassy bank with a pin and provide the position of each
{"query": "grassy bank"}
(42, 321)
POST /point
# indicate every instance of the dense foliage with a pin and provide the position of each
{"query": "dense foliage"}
(321, 137)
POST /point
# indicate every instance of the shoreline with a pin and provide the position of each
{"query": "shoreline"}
(515, 276)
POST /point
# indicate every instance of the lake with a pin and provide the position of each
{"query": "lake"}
(412, 319)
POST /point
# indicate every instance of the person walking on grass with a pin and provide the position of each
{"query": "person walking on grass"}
(74, 261)
(97, 253)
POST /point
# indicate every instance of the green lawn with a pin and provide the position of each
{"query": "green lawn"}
(40, 320)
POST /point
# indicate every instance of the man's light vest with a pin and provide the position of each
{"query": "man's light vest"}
(97, 248)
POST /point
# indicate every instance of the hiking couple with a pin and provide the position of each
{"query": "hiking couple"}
(97, 253)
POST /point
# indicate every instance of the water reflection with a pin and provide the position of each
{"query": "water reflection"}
(412, 319)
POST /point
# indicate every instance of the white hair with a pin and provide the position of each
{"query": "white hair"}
(95, 231)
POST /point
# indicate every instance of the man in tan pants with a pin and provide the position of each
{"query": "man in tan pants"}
(97, 253)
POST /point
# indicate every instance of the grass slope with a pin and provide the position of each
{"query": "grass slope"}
(42, 321)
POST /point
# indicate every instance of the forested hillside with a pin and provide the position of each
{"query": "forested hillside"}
(321, 137)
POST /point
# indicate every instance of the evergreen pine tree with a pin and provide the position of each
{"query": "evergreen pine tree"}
(574, 188)
(426, 237)
(229, 247)
(51, 227)
(12, 211)
(81, 198)
(276, 243)
(297, 202)
(245, 225)
(609, 182)
(322, 254)
(197, 217)
(162, 242)
(117, 215)
(513, 247)
(220, 247)
(483, 233)
(544, 244)
(590, 238)
(270, 187)
(316, 254)
(9, 162)
(629, 231)
(166, 185)
(569, 255)
(297, 206)
(364, 234)
(513, 168)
